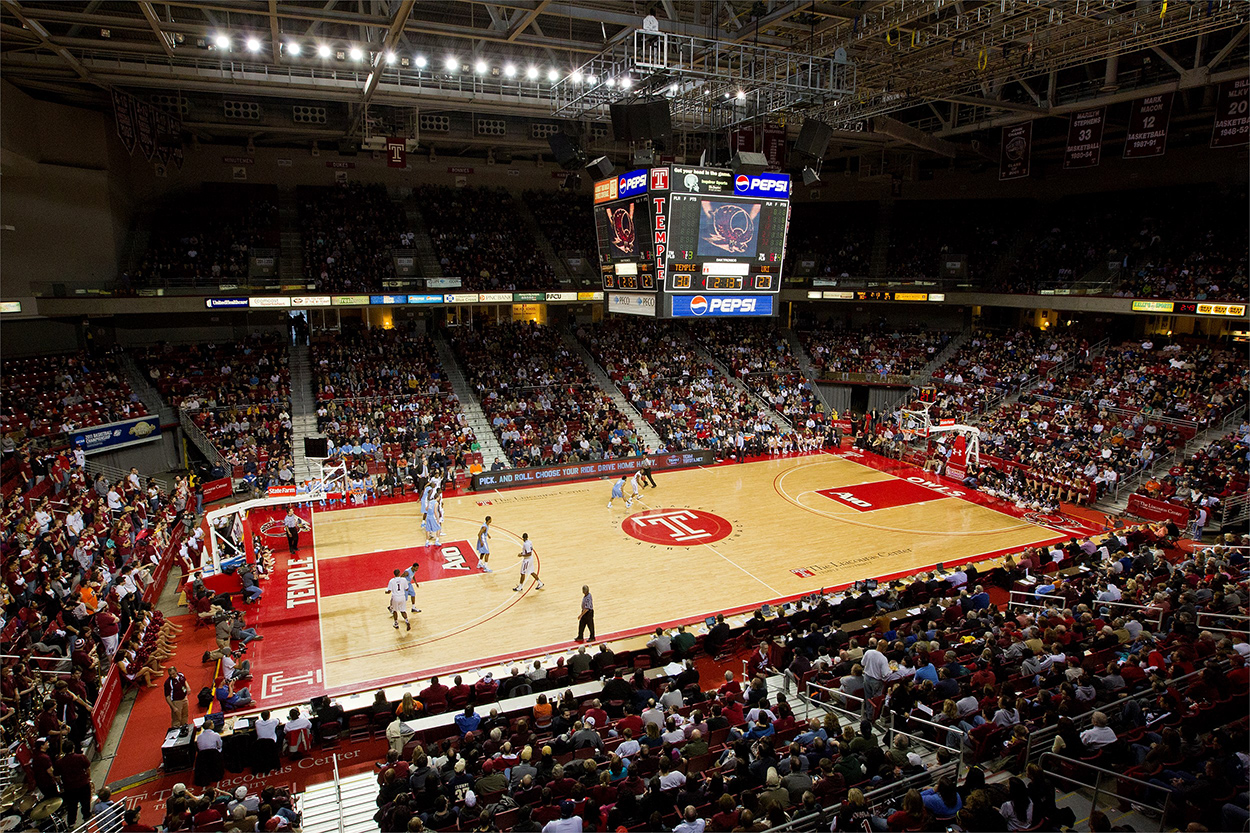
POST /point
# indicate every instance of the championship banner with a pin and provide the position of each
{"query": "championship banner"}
(507, 478)
(1148, 127)
(117, 434)
(1084, 148)
(164, 135)
(1157, 510)
(145, 128)
(1232, 119)
(217, 489)
(742, 138)
(396, 153)
(124, 115)
(1016, 152)
(775, 146)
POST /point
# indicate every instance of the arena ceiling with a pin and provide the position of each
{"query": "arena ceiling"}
(914, 73)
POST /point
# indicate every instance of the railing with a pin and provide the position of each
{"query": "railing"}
(1051, 772)
(201, 440)
(1226, 618)
(878, 798)
(338, 790)
(1149, 616)
(1039, 740)
(1234, 509)
(109, 822)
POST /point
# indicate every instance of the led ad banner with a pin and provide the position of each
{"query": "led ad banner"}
(118, 434)
(506, 478)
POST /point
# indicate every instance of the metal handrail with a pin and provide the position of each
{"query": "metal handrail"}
(201, 440)
(874, 797)
(1158, 616)
(1097, 785)
(338, 790)
(1224, 617)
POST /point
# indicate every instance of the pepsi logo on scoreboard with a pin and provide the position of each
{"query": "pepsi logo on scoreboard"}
(762, 185)
(688, 306)
(632, 184)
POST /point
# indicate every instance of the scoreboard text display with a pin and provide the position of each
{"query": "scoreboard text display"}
(709, 242)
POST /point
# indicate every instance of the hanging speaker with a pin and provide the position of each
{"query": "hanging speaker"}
(316, 447)
(747, 162)
(620, 122)
(565, 151)
(600, 168)
(813, 139)
(659, 123)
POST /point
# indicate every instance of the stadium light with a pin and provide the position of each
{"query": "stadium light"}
(480, 67)
(419, 61)
(611, 82)
(742, 95)
(324, 51)
(531, 72)
(626, 82)
(356, 54)
(253, 44)
(553, 75)
(222, 41)
(509, 70)
(293, 48)
(590, 79)
(575, 77)
(390, 57)
(451, 64)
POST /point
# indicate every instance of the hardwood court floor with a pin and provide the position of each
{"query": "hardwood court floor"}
(740, 535)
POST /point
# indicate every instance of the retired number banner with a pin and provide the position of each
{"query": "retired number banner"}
(1084, 148)
(1232, 114)
(1016, 152)
(1148, 127)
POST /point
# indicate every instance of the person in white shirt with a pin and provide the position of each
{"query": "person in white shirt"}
(876, 670)
(1098, 735)
(670, 779)
(397, 587)
(567, 823)
(628, 747)
(691, 823)
(267, 727)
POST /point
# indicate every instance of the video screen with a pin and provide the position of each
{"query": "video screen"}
(622, 231)
(728, 229)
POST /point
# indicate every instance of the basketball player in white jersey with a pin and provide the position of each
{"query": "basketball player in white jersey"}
(398, 590)
(636, 482)
(528, 565)
(483, 545)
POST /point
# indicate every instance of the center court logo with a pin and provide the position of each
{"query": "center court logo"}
(677, 527)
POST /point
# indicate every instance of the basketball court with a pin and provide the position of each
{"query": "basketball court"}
(708, 539)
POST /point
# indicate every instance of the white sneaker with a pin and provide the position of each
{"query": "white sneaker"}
(541, 585)
(629, 504)
(609, 504)
(396, 626)
(486, 569)
(516, 589)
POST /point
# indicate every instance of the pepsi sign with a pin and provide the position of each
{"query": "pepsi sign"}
(694, 306)
(632, 184)
(762, 185)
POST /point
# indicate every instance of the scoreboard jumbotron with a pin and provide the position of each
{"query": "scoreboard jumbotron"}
(680, 242)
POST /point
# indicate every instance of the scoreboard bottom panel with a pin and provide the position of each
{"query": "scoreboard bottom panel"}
(719, 306)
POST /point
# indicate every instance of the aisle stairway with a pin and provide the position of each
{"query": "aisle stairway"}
(476, 418)
(650, 439)
(427, 259)
(774, 417)
(355, 799)
(303, 410)
(291, 259)
(805, 365)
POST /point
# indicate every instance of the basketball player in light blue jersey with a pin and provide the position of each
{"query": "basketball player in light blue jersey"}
(618, 490)
(483, 545)
(433, 523)
(427, 494)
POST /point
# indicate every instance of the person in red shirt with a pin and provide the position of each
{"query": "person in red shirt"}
(434, 695)
(207, 815)
(75, 770)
